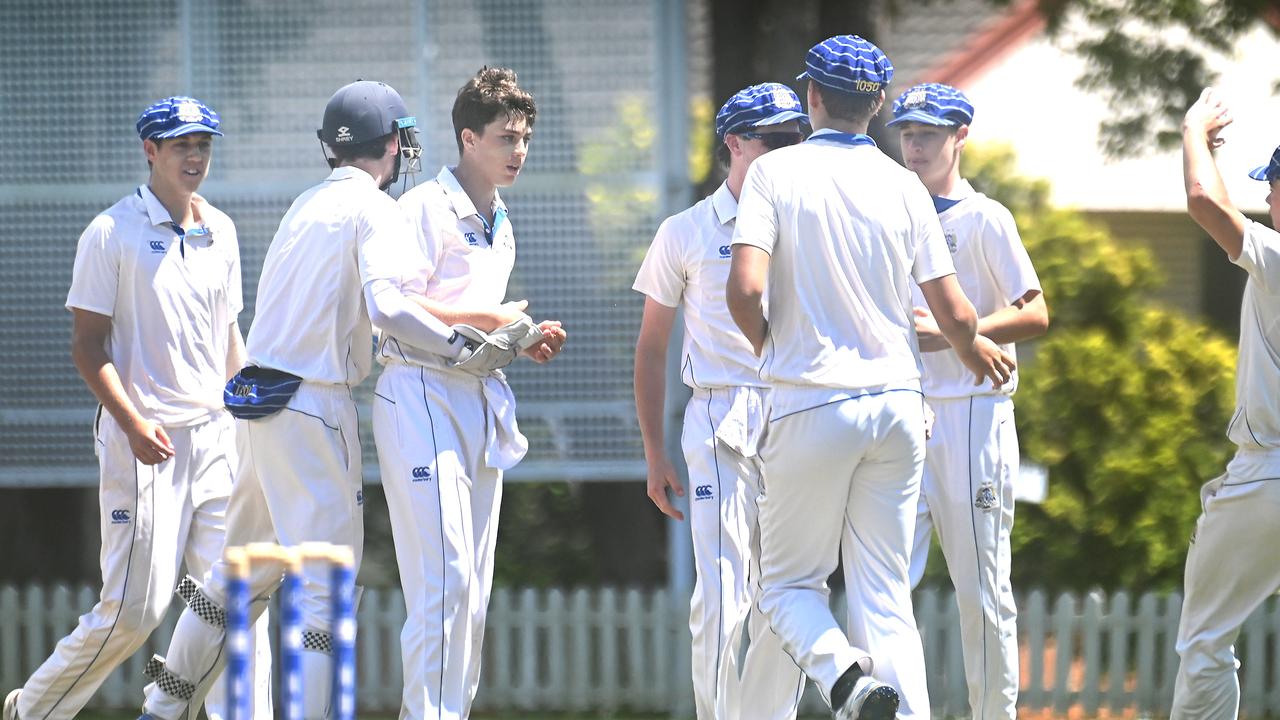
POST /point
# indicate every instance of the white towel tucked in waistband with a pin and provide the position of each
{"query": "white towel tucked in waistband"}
(505, 445)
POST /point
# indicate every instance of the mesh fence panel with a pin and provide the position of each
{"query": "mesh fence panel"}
(77, 72)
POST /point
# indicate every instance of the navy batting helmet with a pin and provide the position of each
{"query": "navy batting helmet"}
(366, 110)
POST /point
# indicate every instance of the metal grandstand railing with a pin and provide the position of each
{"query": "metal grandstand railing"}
(604, 168)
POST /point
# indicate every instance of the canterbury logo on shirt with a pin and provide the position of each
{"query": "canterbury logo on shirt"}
(119, 517)
(422, 473)
(725, 251)
(703, 492)
(157, 246)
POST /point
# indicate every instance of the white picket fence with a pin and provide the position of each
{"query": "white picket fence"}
(604, 650)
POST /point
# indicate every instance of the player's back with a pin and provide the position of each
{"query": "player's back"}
(311, 318)
(850, 227)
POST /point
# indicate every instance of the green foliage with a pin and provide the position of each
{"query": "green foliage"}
(1126, 403)
(542, 540)
(1149, 59)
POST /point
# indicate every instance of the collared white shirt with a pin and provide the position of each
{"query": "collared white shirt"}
(1255, 425)
(311, 318)
(993, 269)
(848, 230)
(460, 261)
(171, 299)
(688, 263)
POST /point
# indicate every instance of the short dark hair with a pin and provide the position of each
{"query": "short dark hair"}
(491, 92)
(374, 149)
(850, 107)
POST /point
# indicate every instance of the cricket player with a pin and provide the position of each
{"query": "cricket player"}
(1232, 565)
(837, 231)
(446, 433)
(971, 462)
(687, 267)
(332, 268)
(154, 298)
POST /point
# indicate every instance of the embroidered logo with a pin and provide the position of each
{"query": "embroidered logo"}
(422, 473)
(189, 112)
(784, 100)
(702, 492)
(725, 251)
(157, 246)
(119, 517)
(344, 134)
(986, 497)
(471, 238)
(360, 496)
(914, 99)
(951, 242)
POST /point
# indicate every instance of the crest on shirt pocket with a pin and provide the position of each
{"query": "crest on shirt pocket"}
(951, 242)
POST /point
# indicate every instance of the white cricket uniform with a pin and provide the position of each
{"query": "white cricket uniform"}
(971, 461)
(688, 265)
(299, 477)
(847, 230)
(172, 300)
(444, 438)
(1232, 565)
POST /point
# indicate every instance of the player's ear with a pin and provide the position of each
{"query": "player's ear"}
(734, 143)
(962, 133)
(469, 138)
(151, 149)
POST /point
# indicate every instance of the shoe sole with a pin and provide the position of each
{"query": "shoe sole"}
(881, 704)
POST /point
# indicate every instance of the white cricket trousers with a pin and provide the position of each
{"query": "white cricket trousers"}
(299, 481)
(431, 428)
(845, 476)
(724, 487)
(967, 497)
(154, 517)
(1232, 567)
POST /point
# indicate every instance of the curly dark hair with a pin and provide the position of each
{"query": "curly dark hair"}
(491, 92)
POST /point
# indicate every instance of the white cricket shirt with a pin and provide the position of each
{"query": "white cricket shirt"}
(1255, 425)
(171, 299)
(993, 269)
(311, 317)
(848, 229)
(460, 260)
(688, 262)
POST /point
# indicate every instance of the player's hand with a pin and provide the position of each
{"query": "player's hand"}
(662, 475)
(150, 443)
(930, 337)
(1206, 118)
(987, 361)
(508, 312)
(553, 337)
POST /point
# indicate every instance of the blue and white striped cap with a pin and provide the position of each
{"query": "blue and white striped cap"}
(179, 115)
(759, 106)
(848, 63)
(932, 104)
(1270, 171)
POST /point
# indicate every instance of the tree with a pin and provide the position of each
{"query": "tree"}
(1125, 402)
(1151, 58)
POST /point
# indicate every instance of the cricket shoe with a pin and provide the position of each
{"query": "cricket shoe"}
(870, 700)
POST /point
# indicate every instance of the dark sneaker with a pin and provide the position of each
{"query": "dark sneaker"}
(870, 700)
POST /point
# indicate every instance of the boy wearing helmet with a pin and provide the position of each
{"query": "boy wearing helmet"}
(446, 434)
(686, 266)
(332, 269)
(971, 458)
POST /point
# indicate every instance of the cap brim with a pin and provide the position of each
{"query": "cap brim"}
(187, 129)
(922, 117)
(784, 116)
(1260, 173)
(804, 76)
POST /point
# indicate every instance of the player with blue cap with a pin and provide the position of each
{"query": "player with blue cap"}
(1231, 564)
(154, 298)
(686, 268)
(973, 449)
(837, 231)
(332, 272)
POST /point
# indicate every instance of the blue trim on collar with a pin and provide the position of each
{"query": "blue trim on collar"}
(941, 204)
(850, 139)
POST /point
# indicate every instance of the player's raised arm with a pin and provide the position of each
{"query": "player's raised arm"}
(1207, 199)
